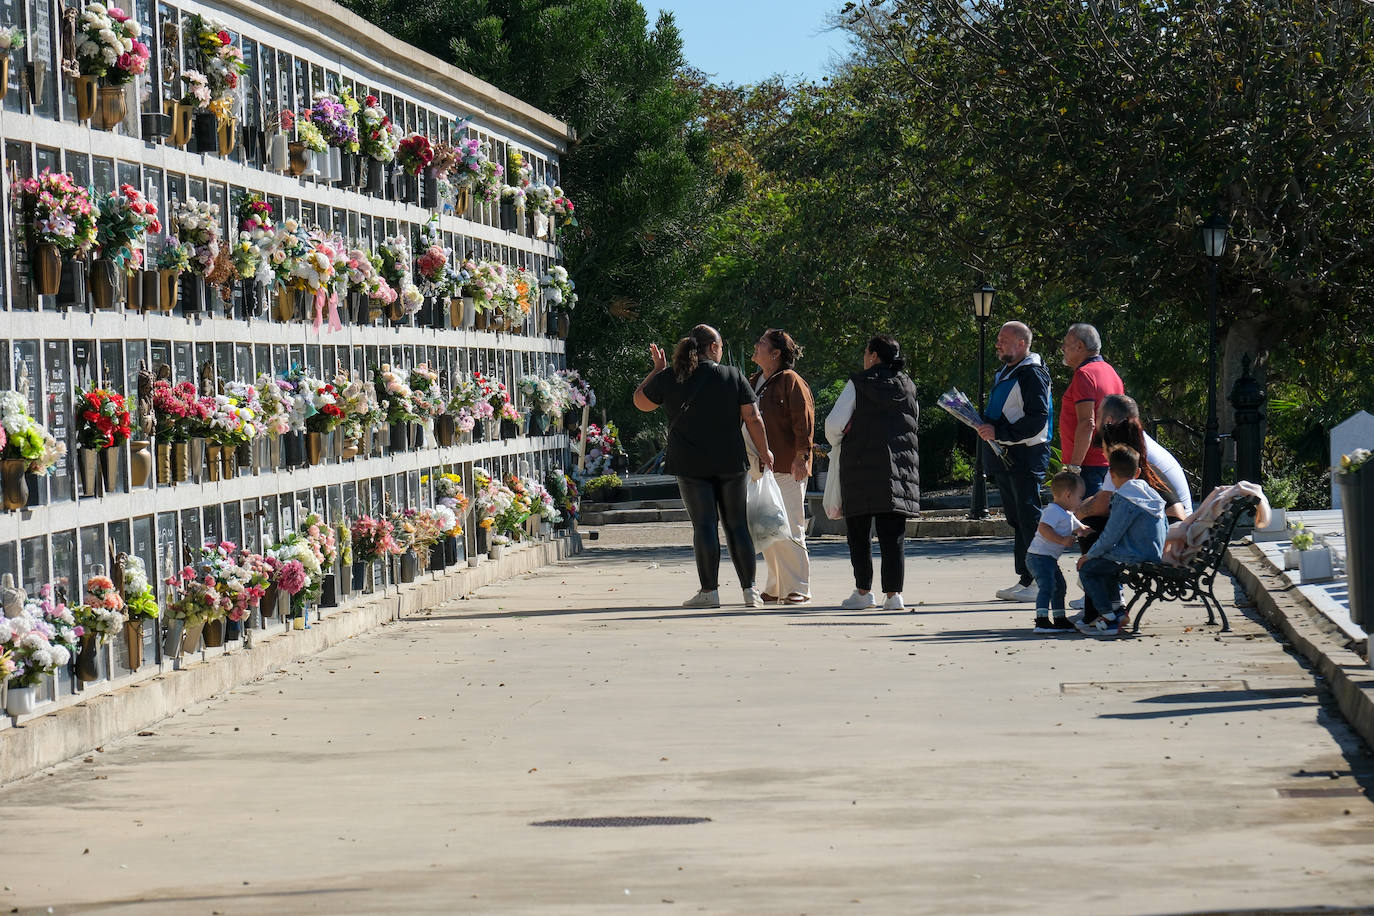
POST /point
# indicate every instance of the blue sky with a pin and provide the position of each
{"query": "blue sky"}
(744, 41)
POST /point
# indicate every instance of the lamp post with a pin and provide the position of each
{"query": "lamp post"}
(982, 310)
(1214, 245)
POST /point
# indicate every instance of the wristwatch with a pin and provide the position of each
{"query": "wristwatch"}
(1077, 469)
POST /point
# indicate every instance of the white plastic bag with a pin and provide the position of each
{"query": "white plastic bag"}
(831, 499)
(767, 514)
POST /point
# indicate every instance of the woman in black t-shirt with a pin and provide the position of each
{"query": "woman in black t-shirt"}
(706, 402)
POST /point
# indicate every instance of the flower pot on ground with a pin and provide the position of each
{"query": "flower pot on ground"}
(233, 630)
(191, 636)
(410, 566)
(453, 550)
(1357, 512)
(1315, 565)
(360, 573)
(140, 461)
(47, 269)
(497, 551)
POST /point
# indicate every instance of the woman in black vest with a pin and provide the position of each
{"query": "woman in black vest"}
(706, 402)
(880, 480)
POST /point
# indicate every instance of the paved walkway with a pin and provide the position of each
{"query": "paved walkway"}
(937, 762)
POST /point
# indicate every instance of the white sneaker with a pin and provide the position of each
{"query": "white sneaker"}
(1006, 593)
(1020, 592)
(859, 601)
(751, 597)
(703, 598)
(894, 603)
(1076, 604)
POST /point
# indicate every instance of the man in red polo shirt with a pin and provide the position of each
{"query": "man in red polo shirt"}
(1093, 379)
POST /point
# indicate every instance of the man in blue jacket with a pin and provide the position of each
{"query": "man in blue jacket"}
(1019, 418)
(1134, 534)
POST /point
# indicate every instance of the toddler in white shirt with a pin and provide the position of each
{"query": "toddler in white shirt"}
(1057, 530)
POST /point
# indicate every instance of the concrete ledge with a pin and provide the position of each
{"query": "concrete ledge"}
(1330, 651)
(47, 738)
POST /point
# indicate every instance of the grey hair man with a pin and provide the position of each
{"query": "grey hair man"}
(1079, 407)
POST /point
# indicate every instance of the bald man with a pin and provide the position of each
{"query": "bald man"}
(1019, 419)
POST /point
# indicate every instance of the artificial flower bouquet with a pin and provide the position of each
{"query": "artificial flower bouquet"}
(108, 46)
(335, 122)
(581, 392)
(276, 409)
(102, 613)
(477, 170)
(558, 288)
(124, 218)
(419, 531)
(374, 539)
(231, 419)
(11, 38)
(139, 600)
(427, 401)
(56, 212)
(394, 396)
(325, 414)
(376, 137)
(180, 412)
(33, 644)
(102, 418)
(395, 268)
(538, 393)
(21, 436)
(221, 63)
(433, 262)
(196, 224)
(414, 154)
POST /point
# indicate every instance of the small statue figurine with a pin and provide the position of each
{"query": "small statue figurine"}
(147, 419)
(12, 597)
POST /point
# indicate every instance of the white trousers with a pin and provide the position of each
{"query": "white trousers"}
(787, 562)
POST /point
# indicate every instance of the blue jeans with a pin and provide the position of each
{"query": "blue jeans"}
(1101, 581)
(1092, 479)
(1049, 580)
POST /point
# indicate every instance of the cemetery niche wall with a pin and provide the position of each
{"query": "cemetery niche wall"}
(276, 290)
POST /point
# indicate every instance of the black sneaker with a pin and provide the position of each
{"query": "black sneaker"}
(1043, 627)
(1064, 625)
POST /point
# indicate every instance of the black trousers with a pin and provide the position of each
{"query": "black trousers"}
(1021, 505)
(891, 529)
(719, 499)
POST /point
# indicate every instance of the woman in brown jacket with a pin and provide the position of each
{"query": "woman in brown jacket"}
(789, 417)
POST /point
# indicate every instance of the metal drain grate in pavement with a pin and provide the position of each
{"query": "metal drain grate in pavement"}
(621, 822)
(846, 623)
(1339, 792)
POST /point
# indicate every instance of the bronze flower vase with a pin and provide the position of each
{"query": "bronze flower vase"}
(213, 633)
(444, 429)
(109, 467)
(164, 463)
(133, 641)
(298, 158)
(190, 636)
(47, 269)
(226, 135)
(463, 200)
(88, 464)
(228, 462)
(168, 289)
(314, 448)
(104, 283)
(140, 461)
(181, 462)
(111, 107)
(85, 88)
(213, 454)
(13, 485)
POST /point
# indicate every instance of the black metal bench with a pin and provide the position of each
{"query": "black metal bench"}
(1163, 582)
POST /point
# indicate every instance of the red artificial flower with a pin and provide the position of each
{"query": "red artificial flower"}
(223, 37)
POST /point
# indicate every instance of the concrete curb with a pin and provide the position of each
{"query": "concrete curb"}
(1333, 655)
(51, 737)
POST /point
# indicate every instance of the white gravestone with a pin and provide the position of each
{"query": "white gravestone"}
(1355, 432)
